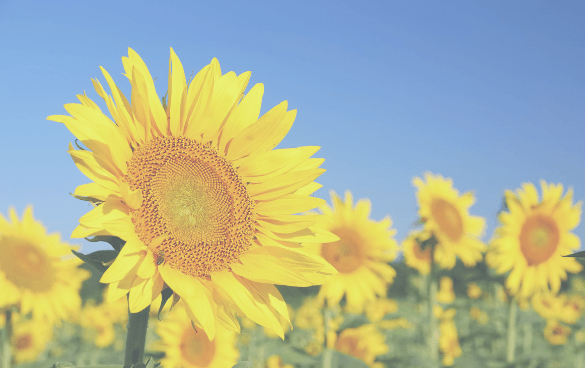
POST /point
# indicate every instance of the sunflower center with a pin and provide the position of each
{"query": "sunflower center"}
(448, 218)
(25, 265)
(539, 238)
(23, 342)
(194, 199)
(350, 345)
(423, 255)
(346, 254)
(196, 348)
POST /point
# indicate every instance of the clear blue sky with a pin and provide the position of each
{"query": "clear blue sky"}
(491, 94)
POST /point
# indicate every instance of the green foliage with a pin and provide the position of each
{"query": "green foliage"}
(98, 259)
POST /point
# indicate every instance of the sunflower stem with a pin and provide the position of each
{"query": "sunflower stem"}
(527, 337)
(327, 353)
(433, 336)
(512, 309)
(5, 340)
(136, 338)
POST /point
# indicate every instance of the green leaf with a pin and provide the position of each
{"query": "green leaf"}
(104, 256)
(114, 241)
(243, 365)
(165, 295)
(340, 360)
(95, 264)
(63, 365)
(577, 255)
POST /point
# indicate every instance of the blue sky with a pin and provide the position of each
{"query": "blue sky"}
(491, 94)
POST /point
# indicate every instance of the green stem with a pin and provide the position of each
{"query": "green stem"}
(579, 353)
(327, 353)
(433, 335)
(6, 340)
(136, 338)
(512, 309)
(527, 337)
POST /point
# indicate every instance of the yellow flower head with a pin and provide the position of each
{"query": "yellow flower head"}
(446, 295)
(533, 236)
(184, 347)
(29, 339)
(275, 361)
(376, 310)
(37, 271)
(364, 342)
(556, 333)
(361, 254)
(414, 256)
(473, 290)
(478, 315)
(449, 342)
(98, 327)
(195, 188)
(445, 214)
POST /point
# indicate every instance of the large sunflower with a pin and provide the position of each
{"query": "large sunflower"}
(360, 255)
(445, 214)
(533, 237)
(38, 273)
(194, 187)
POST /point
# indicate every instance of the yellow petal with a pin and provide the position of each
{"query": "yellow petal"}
(249, 140)
(196, 297)
(274, 163)
(288, 205)
(132, 198)
(232, 287)
(283, 184)
(177, 92)
(130, 255)
(94, 190)
(246, 113)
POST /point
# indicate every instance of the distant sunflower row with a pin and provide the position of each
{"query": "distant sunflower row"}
(42, 277)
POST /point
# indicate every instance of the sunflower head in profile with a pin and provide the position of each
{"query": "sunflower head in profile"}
(532, 238)
(361, 254)
(416, 256)
(445, 215)
(184, 347)
(38, 273)
(193, 186)
(364, 342)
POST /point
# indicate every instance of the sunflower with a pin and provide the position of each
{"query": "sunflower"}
(533, 236)
(445, 215)
(184, 347)
(194, 188)
(364, 342)
(449, 341)
(556, 333)
(360, 256)
(38, 271)
(446, 295)
(29, 339)
(416, 257)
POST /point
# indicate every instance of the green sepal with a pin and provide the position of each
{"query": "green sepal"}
(114, 241)
(87, 199)
(78, 146)
(97, 259)
(576, 255)
(165, 295)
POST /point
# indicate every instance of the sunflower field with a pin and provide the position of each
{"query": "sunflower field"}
(220, 255)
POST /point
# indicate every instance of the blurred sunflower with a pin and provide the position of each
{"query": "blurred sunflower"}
(29, 339)
(194, 187)
(416, 257)
(361, 254)
(445, 215)
(37, 271)
(533, 236)
(449, 341)
(556, 333)
(364, 342)
(473, 290)
(446, 295)
(185, 348)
